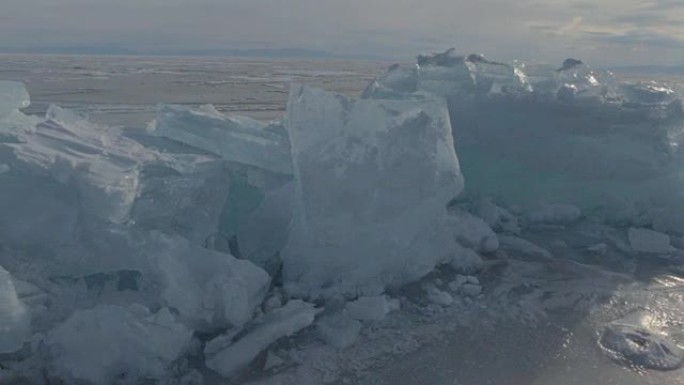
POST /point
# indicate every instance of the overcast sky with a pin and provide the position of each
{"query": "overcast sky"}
(599, 31)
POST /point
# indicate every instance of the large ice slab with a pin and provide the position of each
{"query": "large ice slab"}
(107, 343)
(373, 180)
(97, 164)
(234, 138)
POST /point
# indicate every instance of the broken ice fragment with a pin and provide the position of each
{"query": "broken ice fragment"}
(472, 232)
(498, 218)
(338, 330)
(15, 321)
(371, 308)
(282, 322)
(13, 96)
(649, 241)
(437, 296)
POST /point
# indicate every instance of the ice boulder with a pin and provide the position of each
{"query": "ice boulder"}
(496, 217)
(472, 232)
(210, 290)
(15, 321)
(338, 330)
(283, 322)
(373, 178)
(110, 343)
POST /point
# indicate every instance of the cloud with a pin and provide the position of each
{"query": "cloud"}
(662, 5)
(540, 29)
(641, 39)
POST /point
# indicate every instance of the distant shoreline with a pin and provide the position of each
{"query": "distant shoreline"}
(275, 54)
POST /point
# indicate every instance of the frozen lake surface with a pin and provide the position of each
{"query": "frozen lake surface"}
(122, 90)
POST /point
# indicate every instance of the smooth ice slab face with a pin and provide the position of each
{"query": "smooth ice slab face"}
(100, 345)
(233, 138)
(182, 195)
(14, 317)
(373, 180)
(265, 232)
(13, 96)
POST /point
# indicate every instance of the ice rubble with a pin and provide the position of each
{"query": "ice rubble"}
(100, 228)
(165, 244)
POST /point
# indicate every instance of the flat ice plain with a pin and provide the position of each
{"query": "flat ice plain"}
(551, 293)
(122, 90)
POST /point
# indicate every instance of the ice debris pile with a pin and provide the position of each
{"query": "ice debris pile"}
(190, 249)
(524, 133)
(176, 243)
